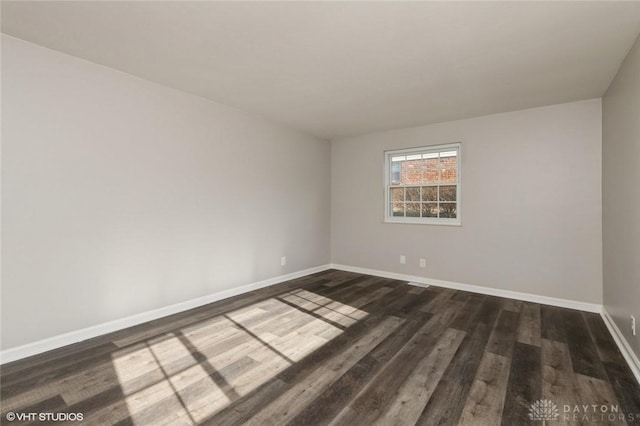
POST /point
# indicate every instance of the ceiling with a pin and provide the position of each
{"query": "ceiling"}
(335, 69)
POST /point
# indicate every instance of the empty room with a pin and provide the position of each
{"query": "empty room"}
(320, 213)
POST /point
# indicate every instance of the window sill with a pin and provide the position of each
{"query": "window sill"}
(418, 221)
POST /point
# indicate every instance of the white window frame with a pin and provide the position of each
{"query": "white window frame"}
(389, 218)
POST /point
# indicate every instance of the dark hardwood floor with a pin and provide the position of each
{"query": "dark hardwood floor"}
(338, 348)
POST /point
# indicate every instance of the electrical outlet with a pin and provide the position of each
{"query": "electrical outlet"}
(633, 325)
(423, 263)
(403, 259)
(283, 260)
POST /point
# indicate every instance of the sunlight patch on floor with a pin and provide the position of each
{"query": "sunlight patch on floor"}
(195, 372)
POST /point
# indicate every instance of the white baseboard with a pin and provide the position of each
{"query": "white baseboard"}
(622, 343)
(415, 280)
(59, 341)
(65, 339)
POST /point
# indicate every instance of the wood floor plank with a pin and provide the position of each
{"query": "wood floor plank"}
(461, 296)
(512, 305)
(595, 394)
(529, 326)
(524, 386)
(338, 394)
(59, 366)
(558, 383)
(375, 398)
(293, 401)
(412, 302)
(626, 389)
(605, 345)
(203, 395)
(417, 290)
(113, 398)
(237, 414)
(449, 398)
(441, 296)
(584, 355)
(503, 335)
(336, 397)
(466, 319)
(489, 311)
(552, 324)
(486, 398)
(414, 394)
(346, 293)
(139, 368)
(242, 410)
(49, 405)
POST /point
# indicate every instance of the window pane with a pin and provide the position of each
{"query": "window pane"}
(430, 171)
(429, 210)
(396, 172)
(397, 209)
(412, 171)
(397, 194)
(413, 209)
(429, 193)
(448, 193)
(448, 210)
(413, 194)
(449, 169)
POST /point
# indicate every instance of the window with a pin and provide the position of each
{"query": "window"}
(422, 185)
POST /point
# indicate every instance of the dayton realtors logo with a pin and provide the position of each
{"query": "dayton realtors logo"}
(603, 413)
(544, 410)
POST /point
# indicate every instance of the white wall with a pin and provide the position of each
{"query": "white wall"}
(621, 196)
(121, 196)
(531, 204)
